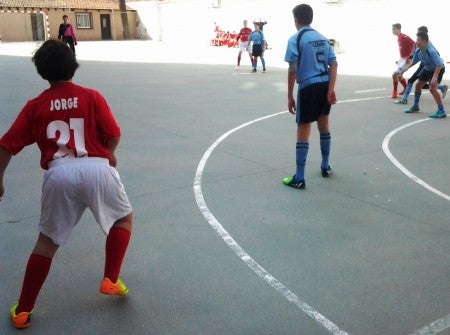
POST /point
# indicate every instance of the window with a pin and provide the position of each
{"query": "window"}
(84, 20)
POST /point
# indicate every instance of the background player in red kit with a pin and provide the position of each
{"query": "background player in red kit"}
(77, 135)
(406, 48)
(244, 43)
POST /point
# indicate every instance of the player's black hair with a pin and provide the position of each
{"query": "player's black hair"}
(423, 29)
(54, 61)
(304, 14)
(397, 25)
(423, 36)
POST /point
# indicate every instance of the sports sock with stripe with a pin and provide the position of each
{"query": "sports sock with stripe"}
(417, 98)
(407, 91)
(325, 144)
(301, 152)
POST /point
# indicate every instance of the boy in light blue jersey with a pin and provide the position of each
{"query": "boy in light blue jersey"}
(415, 76)
(433, 65)
(258, 46)
(313, 65)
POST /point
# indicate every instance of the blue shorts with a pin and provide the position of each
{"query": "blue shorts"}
(312, 102)
(425, 75)
(257, 50)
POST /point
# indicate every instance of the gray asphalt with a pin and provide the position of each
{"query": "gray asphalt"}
(367, 249)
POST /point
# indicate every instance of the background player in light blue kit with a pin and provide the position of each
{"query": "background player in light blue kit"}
(433, 65)
(415, 76)
(312, 63)
(258, 45)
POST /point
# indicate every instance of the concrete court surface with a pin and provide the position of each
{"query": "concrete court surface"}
(364, 252)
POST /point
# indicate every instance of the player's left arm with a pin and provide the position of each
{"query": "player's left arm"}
(5, 158)
(264, 42)
(332, 74)
(73, 35)
(434, 79)
(440, 64)
(111, 144)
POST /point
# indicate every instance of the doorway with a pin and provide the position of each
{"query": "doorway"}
(37, 26)
(105, 20)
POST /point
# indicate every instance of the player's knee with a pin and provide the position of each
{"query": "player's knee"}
(126, 222)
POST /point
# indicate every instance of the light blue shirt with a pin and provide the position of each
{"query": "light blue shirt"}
(429, 57)
(317, 55)
(256, 37)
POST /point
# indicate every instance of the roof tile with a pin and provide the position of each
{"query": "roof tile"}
(89, 4)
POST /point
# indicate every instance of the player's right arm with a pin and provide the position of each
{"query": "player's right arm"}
(292, 76)
(331, 95)
(5, 158)
(291, 57)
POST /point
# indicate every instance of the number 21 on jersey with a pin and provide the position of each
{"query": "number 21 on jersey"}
(65, 131)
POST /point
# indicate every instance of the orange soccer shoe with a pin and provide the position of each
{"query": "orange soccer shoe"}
(108, 287)
(22, 320)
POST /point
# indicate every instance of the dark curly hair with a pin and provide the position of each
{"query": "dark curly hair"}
(304, 14)
(55, 61)
(423, 36)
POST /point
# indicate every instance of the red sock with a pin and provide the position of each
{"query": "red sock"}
(116, 246)
(403, 82)
(395, 85)
(36, 272)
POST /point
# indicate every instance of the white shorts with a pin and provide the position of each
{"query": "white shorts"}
(244, 46)
(402, 65)
(73, 184)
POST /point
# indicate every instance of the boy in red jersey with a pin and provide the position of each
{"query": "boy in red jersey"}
(406, 47)
(244, 43)
(77, 135)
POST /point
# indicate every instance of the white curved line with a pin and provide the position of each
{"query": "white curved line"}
(240, 252)
(436, 327)
(432, 329)
(402, 168)
(444, 323)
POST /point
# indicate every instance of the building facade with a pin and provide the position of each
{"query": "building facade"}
(33, 20)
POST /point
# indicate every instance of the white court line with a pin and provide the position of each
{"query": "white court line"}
(436, 327)
(362, 99)
(401, 167)
(432, 329)
(240, 252)
(372, 90)
(443, 323)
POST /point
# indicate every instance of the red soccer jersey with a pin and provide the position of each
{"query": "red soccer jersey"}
(244, 33)
(65, 120)
(405, 45)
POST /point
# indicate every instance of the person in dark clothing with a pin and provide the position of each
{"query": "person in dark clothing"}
(66, 34)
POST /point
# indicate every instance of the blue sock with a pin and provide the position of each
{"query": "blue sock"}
(263, 64)
(407, 91)
(417, 98)
(441, 108)
(255, 63)
(301, 151)
(325, 143)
